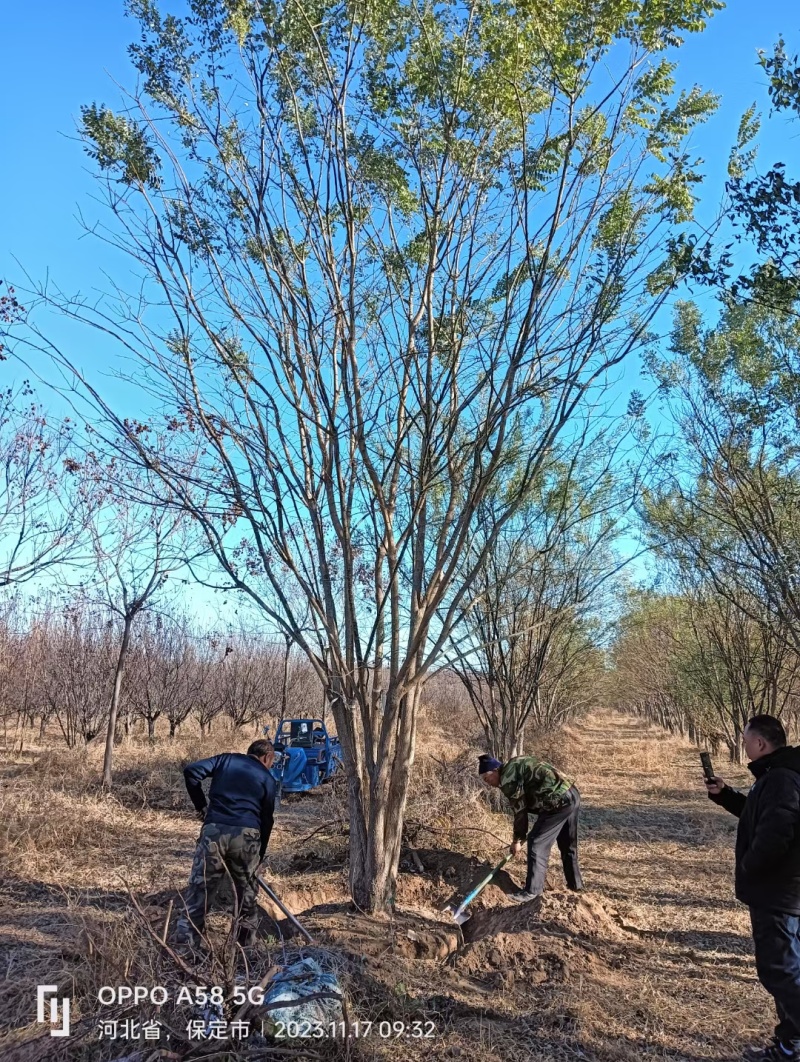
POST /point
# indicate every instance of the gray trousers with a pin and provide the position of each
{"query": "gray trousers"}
(555, 827)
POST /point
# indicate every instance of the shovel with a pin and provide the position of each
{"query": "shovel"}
(459, 914)
(260, 881)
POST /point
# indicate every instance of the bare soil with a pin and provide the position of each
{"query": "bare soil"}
(652, 961)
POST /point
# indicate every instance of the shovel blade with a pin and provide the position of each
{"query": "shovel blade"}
(460, 919)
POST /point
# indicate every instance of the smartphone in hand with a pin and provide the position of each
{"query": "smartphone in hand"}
(708, 770)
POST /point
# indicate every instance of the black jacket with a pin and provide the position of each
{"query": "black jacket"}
(768, 838)
(242, 792)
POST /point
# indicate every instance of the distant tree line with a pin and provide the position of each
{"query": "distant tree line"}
(718, 637)
(700, 667)
(58, 663)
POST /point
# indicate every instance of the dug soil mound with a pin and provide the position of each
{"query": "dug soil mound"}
(407, 933)
(532, 957)
(576, 914)
(538, 946)
(521, 931)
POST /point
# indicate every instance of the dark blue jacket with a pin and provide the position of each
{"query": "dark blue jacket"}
(242, 792)
(768, 839)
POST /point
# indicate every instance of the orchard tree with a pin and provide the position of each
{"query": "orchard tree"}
(726, 493)
(700, 665)
(136, 545)
(389, 253)
(78, 670)
(738, 665)
(162, 671)
(251, 678)
(648, 665)
(209, 686)
(527, 630)
(42, 520)
(40, 517)
(573, 677)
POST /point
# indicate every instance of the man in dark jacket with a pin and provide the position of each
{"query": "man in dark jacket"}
(768, 871)
(237, 822)
(534, 787)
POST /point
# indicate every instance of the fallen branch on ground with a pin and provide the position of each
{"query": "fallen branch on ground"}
(158, 938)
(456, 829)
(319, 829)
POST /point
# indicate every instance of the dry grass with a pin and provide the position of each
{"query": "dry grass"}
(653, 963)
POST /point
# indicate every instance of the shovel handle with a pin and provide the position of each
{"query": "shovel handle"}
(480, 886)
(285, 910)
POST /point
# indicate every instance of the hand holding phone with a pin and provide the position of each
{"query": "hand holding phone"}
(708, 770)
(714, 784)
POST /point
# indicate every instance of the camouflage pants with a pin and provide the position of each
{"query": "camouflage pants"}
(222, 853)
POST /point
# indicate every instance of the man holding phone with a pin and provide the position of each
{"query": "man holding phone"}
(768, 871)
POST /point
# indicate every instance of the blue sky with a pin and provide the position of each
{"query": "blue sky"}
(54, 57)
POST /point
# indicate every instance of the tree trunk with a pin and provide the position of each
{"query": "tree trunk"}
(112, 715)
(285, 686)
(375, 849)
(513, 744)
(151, 728)
(737, 752)
(172, 728)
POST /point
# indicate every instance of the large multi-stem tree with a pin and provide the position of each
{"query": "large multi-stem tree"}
(390, 250)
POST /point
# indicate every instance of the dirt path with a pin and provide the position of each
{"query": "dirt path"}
(660, 854)
(652, 962)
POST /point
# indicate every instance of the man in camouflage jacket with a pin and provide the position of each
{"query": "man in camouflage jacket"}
(237, 822)
(534, 787)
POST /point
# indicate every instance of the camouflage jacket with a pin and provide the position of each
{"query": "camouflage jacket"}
(531, 786)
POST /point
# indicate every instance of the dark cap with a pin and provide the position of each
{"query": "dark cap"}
(488, 763)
